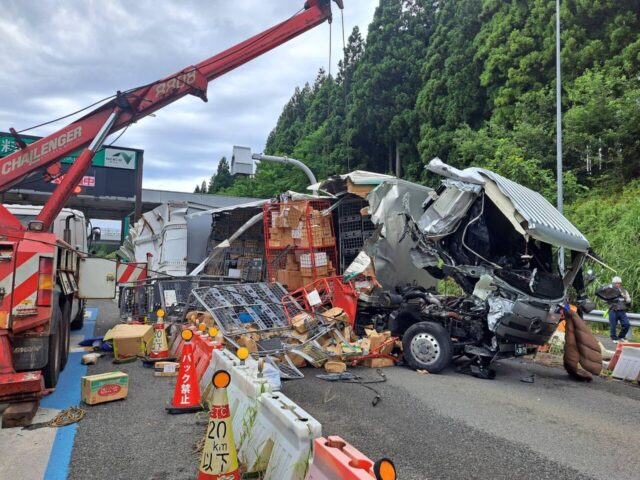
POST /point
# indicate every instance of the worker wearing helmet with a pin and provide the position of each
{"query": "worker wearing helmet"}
(618, 311)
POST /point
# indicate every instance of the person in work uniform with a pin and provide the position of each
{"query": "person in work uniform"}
(618, 311)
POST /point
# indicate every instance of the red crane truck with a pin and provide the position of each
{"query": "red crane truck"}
(41, 274)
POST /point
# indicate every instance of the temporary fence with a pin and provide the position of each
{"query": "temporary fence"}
(174, 295)
(256, 310)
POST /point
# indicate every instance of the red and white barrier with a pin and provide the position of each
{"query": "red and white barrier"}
(334, 458)
(131, 272)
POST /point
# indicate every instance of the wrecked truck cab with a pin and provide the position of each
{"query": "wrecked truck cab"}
(499, 241)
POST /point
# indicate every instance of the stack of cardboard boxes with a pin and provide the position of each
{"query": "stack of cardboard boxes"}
(309, 236)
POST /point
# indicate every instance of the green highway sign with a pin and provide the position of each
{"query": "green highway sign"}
(109, 157)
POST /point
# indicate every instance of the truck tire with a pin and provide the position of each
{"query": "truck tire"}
(65, 337)
(78, 322)
(427, 346)
(51, 371)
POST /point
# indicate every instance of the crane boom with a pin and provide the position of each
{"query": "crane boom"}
(90, 131)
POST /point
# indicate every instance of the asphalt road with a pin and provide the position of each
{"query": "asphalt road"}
(134, 438)
(447, 426)
(453, 426)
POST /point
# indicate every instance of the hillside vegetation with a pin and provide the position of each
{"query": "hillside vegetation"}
(473, 82)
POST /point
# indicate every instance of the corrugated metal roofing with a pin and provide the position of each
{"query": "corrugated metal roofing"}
(544, 221)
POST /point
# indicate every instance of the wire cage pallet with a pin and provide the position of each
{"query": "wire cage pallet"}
(136, 300)
(299, 238)
(353, 230)
(173, 294)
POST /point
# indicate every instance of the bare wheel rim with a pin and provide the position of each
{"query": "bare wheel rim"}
(425, 348)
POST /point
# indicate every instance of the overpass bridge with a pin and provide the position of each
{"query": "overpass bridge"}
(117, 208)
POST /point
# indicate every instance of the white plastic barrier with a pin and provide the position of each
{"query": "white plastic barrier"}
(628, 365)
(244, 391)
(272, 433)
(281, 439)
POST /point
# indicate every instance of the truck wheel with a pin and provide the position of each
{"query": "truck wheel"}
(427, 346)
(78, 322)
(52, 370)
(65, 337)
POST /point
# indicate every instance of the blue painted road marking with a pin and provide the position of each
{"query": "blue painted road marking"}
(91, 314)
(67, 394)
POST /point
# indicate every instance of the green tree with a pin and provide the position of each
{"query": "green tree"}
(221, 179)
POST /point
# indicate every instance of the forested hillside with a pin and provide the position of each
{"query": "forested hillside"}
(473, 82)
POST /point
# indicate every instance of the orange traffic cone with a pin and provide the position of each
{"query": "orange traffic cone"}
(219, 459)
(186, 397)
(159, 344)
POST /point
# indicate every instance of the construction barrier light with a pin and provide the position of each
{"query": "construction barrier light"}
(160, 313)
(187, 335)
(202, 327)
(384, 469)
(243, 353)
(221, 379)
(213, 331)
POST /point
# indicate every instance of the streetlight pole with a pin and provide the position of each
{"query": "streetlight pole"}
(559, 129)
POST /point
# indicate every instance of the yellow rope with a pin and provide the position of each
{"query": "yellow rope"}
(67, 417)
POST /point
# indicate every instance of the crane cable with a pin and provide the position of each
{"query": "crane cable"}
(344, 89)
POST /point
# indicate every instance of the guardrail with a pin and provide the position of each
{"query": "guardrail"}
(597, 316)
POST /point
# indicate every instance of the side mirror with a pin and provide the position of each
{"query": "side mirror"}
(586, 304)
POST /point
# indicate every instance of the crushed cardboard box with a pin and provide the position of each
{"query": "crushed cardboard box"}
(301, 322)
(130, 340)
(335, 367)
(376, 339)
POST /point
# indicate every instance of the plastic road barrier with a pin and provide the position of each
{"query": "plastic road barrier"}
(616, 355)
(334, 458)
(272, 433)
(205, 345)
(244, 391)
(628, 364)
(280, 439)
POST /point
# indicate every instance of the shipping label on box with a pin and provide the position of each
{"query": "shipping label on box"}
(104, 387)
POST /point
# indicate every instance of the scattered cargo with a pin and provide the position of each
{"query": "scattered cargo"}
(105, 387)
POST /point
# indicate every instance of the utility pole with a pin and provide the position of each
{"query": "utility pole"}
(398, 168)
(559, 129)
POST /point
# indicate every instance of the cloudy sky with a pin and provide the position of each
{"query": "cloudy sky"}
(61, 55)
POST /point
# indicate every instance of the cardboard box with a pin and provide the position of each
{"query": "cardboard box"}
(335, 367)
(130, 340)
(337, 349)
(292, 263)
(360, 190)
(291, 278)
(381, 362)
(248, 342)
(301, 321)
(376, 339)
(336, 313)
(104, 387)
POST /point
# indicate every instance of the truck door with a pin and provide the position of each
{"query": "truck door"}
(97, 278)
